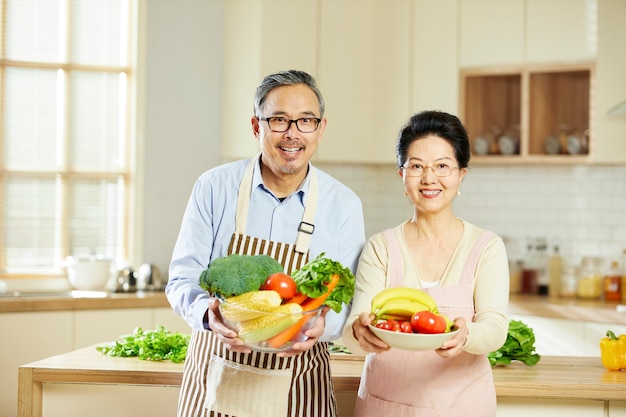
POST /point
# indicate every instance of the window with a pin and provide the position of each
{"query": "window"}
(65, 132)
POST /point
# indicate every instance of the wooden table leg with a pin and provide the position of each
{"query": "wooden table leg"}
(29, 394)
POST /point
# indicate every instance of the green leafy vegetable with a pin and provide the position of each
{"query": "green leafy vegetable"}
(151, 345)
(311, 277)
(519, 346)
(237, 274)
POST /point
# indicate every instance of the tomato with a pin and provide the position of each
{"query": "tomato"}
(283, 284)
(385, 325)
(427, 322)
(405, 327)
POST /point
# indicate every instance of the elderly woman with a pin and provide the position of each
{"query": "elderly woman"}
(463, 267)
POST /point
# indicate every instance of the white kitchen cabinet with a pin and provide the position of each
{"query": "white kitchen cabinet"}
(491, 33)
(561, 30)
(31, 336)
(27, 337)
(97, 326)
(365, 76)
(610, 86)
(78, 400)
(564, 337)
(434, 75)
(261, 37)
(513, 407)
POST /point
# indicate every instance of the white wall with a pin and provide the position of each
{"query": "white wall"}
(180, 111)
(584, 206)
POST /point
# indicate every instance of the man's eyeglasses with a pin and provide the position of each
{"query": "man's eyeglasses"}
(281, 124)
(417, 170)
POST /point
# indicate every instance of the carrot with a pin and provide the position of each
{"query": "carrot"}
(298, 298)
(309, 305)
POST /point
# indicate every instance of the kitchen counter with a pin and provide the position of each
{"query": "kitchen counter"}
(81, 300)
(554, 377)
(541, 306)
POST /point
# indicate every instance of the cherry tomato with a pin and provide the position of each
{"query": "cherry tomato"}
(427, 322)
(385, 325)
(395, 325)
(283, 284)
(405, 327)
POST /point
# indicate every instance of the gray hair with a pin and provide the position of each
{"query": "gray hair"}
(290, 77)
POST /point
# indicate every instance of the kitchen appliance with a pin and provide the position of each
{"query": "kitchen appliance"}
(149, 278)
(88, 274)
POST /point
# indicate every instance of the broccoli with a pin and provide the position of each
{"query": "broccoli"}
(237, 274)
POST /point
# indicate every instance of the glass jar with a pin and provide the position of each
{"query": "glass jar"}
(612, 283)
(589, 279)
(569, 282)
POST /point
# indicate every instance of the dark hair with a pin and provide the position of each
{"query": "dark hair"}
(290, 77)
(437, 123)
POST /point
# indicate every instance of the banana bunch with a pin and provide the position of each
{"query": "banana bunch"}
(400, 303)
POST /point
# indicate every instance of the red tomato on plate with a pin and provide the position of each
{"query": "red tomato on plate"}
(283, 284)
(427, 322)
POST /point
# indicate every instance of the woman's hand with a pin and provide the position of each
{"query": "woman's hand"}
(224, 333)
(454, 346)
(368, 341)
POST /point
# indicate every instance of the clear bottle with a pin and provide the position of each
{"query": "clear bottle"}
(612, 283)
(569, 283)
(624, 276)
(555, 271)
(542, 259)
(590, 279)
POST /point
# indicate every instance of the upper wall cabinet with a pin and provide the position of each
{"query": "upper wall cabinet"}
(514, 32)
(491, 32)
(261, 37)
(561, 30)
(434, 71)
(610, 88)
(365, 78)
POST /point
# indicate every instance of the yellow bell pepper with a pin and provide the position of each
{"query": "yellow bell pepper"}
(613, 351)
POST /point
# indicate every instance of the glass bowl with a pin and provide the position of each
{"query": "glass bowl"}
(269, 331)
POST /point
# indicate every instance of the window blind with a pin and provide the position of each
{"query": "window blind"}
(65, 112)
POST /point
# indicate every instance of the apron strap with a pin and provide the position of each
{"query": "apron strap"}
(306, 227)
(395, 259)
(467, 276)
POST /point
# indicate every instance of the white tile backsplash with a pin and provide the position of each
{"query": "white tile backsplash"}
(584, 206)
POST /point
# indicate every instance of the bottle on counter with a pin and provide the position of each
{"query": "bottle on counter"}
(612, 283)
(590, 279)
(555, 271)
(530, 272)
(569, 282)
(542, 260)
(624, 276)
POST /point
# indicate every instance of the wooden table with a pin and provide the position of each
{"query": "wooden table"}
(554, 377)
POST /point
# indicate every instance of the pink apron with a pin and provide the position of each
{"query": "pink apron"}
(221, 383)
(402, 383)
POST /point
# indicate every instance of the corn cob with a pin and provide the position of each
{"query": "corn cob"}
(250, 305)
(269, 325)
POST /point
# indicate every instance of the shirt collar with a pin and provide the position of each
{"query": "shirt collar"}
(257, 181)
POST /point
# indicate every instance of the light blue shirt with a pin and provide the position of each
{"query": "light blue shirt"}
(209, 223)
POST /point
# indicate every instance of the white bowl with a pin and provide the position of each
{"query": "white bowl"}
(412, 341)
(88, 274)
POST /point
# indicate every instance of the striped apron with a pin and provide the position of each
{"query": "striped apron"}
(402, 383)
(220, 383)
